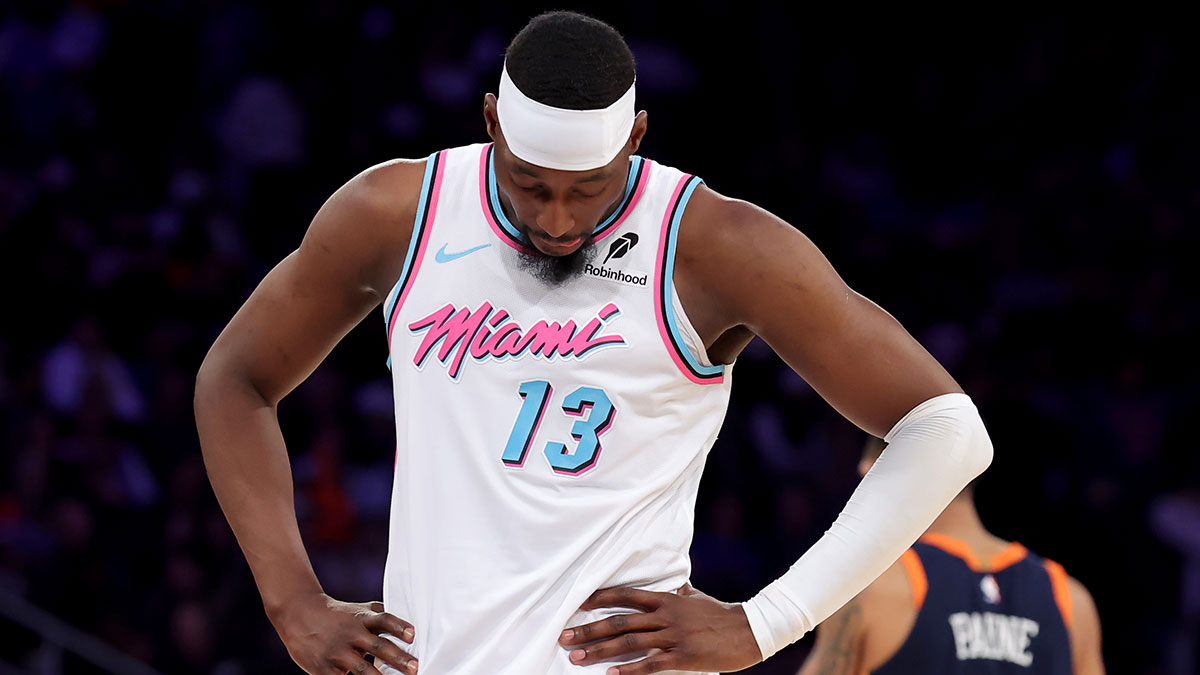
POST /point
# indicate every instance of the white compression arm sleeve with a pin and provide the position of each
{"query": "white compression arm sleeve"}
(932, 453)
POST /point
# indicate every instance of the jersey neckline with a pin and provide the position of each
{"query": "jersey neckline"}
(1009, 556)
(489, 197)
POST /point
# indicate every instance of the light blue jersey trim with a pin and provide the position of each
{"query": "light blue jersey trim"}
(430, 165)
(634, 171)
(512, 231)
(493, 197)
(668, 286)
(413, 242)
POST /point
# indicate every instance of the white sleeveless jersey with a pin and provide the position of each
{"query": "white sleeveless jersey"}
(550, 438)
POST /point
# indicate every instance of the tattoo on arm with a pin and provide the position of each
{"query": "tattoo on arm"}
(837, 650)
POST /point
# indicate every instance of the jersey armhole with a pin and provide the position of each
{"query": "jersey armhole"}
(1062, 590)
(680, 337)
(917, 581)
(431, 186)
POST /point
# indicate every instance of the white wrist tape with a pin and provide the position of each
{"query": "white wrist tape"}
(558, 138)
(932, 453)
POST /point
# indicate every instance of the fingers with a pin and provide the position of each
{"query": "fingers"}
(629, 643)
(349, 662)
(385, 650)
(613, 625)
(383, 622)
(380, 623)
(653, 664)
(624, 596)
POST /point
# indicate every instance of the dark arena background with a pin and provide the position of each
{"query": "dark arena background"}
(1020, 191)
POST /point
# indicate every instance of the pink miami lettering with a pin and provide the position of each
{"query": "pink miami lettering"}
(486, 333)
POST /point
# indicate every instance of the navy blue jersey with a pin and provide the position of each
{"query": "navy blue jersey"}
(1009, 619)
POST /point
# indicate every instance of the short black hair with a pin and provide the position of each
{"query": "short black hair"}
(570, 60)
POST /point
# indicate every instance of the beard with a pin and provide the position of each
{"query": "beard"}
(555, 269)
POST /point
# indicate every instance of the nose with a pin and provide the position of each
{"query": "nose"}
(555, 220)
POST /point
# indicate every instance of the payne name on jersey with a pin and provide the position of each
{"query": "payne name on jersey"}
(996, 637)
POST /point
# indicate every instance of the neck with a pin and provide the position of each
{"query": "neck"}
(960, 520)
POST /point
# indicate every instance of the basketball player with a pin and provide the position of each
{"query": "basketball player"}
(962, 601)
(562, 316)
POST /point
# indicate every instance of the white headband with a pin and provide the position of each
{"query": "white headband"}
(557, 138)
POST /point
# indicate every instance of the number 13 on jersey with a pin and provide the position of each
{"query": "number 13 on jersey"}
(591, 405)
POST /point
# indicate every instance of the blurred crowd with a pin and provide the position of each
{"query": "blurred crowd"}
(1023, 198)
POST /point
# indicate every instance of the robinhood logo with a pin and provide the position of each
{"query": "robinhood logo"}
(615, 275)
(621, 246)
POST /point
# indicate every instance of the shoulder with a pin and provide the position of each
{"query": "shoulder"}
(891, 605)
(889, 596)
(898, 587)
(1084, 616)
(719, 235)
(716, 229)
(1070, 595)
(383, 192)
(1079, 614)
(719, 224)
(1084, 630)
(367, 222)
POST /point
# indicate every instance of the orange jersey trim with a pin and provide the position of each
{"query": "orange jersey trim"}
(1011, 555)
(1062, 590)
(917, 581)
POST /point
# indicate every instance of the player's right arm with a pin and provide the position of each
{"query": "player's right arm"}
(348, 261)
(1084, 631)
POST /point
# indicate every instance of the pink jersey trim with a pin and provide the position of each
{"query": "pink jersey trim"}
(659, 310)
(427, 226)
(633, 200)
(487, 208)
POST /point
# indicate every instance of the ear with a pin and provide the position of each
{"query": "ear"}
(638, 131)
(491, 118)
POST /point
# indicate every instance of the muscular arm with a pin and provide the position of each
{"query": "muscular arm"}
(838, 648)
(744, 270)
(344, 265)
(859, 358)
(1085, 632)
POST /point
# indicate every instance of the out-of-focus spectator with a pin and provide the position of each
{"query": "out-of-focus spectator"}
(1176, 520)
(1021, 201)
(84, 361)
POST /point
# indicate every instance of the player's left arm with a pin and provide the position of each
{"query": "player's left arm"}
(1084, 631)
(740, 269)
(748, 268)
(867, 366)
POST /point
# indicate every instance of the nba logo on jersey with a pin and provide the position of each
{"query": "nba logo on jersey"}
(991, 589)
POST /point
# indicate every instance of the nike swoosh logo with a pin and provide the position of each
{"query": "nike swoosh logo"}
(443, 257)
